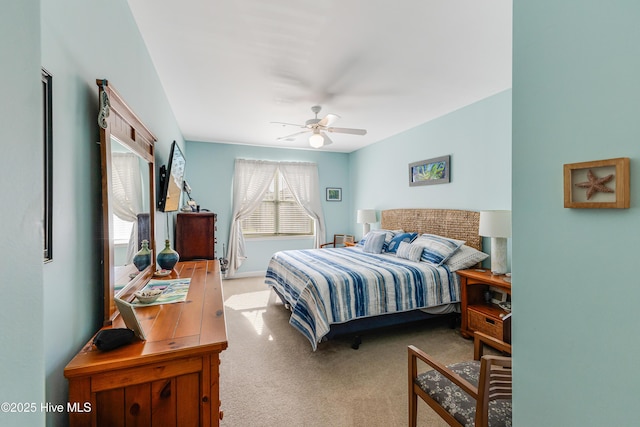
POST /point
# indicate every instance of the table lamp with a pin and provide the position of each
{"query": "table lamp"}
(497, 225)
(366, 217)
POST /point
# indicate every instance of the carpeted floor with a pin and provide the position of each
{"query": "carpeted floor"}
(269, 376)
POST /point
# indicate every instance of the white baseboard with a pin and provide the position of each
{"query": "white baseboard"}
(246, 274)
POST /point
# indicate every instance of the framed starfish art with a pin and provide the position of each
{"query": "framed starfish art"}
(597, 184)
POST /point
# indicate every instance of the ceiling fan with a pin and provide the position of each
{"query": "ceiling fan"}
(318, 128)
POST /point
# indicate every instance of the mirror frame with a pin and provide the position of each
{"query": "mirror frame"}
(117, 119)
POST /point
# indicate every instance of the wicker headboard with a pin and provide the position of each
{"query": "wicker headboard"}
(454, 223)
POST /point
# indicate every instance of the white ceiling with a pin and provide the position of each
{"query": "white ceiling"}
(231, 67)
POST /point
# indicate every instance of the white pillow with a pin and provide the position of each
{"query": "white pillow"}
(465, 257)
(437, 249)
(409, 251)
(374, 243)
(389, 234)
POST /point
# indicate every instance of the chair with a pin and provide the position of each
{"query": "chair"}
(338, 240)
(475, 393)
(481, 339)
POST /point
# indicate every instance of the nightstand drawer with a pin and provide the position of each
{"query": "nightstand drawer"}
(488, 324)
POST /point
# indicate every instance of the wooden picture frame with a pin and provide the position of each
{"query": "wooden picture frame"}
(334, 194)
(431, 171)
(597, 184)
(47, 132)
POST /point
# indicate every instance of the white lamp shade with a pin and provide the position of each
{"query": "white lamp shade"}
(495, 224)
(316, 140)
(366, 216)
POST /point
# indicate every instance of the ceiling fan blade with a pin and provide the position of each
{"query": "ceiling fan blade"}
(327, 140)
(293, 135)
(348, 130)
(288, 124)
(328, 120)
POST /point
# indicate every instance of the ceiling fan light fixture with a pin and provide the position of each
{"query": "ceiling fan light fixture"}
(316, 140)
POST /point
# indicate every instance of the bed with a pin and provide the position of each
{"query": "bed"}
(344, 290)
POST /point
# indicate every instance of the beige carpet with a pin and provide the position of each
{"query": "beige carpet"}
(269, 376)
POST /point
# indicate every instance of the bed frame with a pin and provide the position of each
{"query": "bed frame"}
(453, 223)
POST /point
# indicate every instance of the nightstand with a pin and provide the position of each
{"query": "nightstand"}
(477, 314)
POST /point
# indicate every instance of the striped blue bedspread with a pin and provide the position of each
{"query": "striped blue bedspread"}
(326, 286)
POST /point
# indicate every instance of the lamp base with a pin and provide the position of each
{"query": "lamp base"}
(498, 255)
(366, 227)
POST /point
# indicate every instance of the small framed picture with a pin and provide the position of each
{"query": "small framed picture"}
(597, 184)
(334, 194)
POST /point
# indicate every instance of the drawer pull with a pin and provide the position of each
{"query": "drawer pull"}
(491, 321)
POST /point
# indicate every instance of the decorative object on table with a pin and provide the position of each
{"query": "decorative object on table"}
(497, 225)
(431, 171)
(148, 296)
(142, 259)
(597, 184)
(366, 217)
(162, 273)
(487, 296)
(167, 258)
(191, 205)
(334, 194)
(169, 291)
(224, 262)
(110, 339)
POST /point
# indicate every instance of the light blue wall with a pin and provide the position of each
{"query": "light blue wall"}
(478, 139)
(21, 317)
(82, 41)
(576, 97)
(210, 169)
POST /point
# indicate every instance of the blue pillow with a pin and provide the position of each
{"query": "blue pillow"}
(403, 237)
(374, 243)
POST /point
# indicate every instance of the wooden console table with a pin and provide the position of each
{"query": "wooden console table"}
(172, 378)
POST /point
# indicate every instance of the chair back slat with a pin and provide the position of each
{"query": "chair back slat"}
(495, 383)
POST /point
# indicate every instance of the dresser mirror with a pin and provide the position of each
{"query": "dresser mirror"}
(128, 167)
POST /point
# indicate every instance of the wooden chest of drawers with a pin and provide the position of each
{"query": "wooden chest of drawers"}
(196, 235)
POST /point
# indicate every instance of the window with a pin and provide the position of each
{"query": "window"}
(121, 231)
(278, 214)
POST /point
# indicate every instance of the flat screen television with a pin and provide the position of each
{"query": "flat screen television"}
(171, 180)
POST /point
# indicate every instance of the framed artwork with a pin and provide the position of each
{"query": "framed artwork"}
(47, 120)
(429, 172)
(334, 194)
(597, 184)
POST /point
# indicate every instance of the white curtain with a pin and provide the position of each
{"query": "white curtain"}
(303, 181)
(126, 189)
(251, 181)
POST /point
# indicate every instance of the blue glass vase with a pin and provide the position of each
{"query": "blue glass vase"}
(167, 258)
(142, 259)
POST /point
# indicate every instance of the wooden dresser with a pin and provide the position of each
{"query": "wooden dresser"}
(172, 378)
(196, 235)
